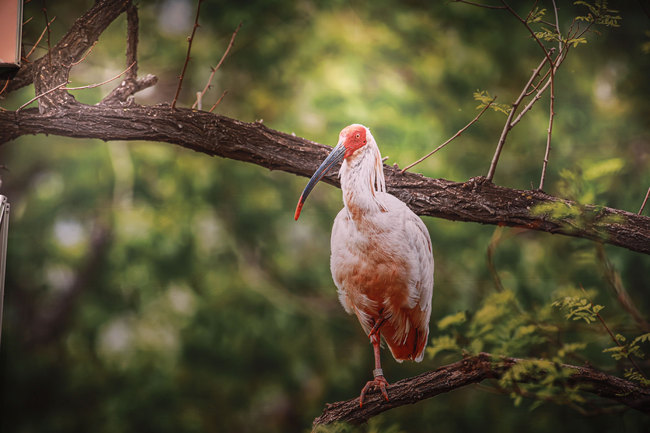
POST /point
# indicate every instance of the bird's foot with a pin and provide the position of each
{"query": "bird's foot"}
(379, 382)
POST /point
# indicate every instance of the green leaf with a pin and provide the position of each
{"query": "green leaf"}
(452, 320)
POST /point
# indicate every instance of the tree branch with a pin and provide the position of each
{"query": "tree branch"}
(475, 200)
(72, 46)
(476, 369)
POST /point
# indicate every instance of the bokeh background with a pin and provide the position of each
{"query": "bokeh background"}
(152, 288)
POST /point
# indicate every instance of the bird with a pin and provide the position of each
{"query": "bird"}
(381, 254)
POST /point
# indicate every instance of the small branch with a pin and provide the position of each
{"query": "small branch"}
(7, 83)
(479, 4)
(611, 334)
(558, 61)
(38, 41)
(41, 95)
(557, 26)
(530, 30)
(494, 241)
(225, 92)
(508, 125)
(550, 132)
(614, 280)
(85, 55)
(187, 57)
(200, 95)
(645, 200)
(132, 24)
(457, 134)
(90, 86)
(476, 369)
(47, 26)
(551, 115)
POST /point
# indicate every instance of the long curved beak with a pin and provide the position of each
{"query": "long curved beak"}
(335, 156)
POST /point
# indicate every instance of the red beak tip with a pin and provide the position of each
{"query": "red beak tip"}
(298, 209)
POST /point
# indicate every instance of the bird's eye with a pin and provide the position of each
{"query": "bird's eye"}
(358, 135)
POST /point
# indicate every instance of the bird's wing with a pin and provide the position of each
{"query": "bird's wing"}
(423, 258)
(417, 247)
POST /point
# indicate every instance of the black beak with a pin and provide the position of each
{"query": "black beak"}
(335, 156)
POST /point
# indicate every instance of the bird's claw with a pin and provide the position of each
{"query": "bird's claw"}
(378, 382)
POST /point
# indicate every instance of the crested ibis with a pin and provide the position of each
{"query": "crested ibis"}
(381, 259)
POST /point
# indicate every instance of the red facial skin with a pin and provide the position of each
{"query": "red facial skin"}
(353, 138)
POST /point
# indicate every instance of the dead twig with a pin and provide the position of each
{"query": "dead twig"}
(85, 55)
(132, 25)
(457, 134)
(38, 41)
(622, 295)
(611, 334)
(41, 95)
(7, 83)
(199, 96)
(187, 57)
(225, 92)
(509, 125)
(479, 4)
(47, 26)
(551, 115)
(90, 86)
(645, 200)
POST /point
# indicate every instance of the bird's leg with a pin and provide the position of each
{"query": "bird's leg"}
(379, 381)
(375, 328)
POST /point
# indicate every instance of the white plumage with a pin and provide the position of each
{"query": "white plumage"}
(381, 261)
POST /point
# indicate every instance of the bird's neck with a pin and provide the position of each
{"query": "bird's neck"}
(362, 177)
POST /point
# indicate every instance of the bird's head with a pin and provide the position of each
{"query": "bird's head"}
(351, 139)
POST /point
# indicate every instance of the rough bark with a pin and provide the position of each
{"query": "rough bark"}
(475, 200)
(471, 370)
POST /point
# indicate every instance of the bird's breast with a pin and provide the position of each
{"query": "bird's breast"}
(366, 267)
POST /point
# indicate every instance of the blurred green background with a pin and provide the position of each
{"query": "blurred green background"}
(152, 288)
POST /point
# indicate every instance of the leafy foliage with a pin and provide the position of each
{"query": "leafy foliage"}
(484, 98)
(599, 13)
(579, 308)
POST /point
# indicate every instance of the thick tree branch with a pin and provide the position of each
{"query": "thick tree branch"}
(81, 36)
(475, 200)
(473, 370)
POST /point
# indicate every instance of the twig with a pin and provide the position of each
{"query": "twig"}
(530, 30)
(496, 237)
(7, 83)
(614, 280)
(611, 334)
(200, 95)
(551, 115)
(479, 4)
(557, 26)
(225, 92)
(85, 55)
(41, 95)
(549, 131)
(187, 57)
(47, 26)
(90, 86)
(508, 126)
(132, 24)
(645, 200)
(457, 134)
(38, 41)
